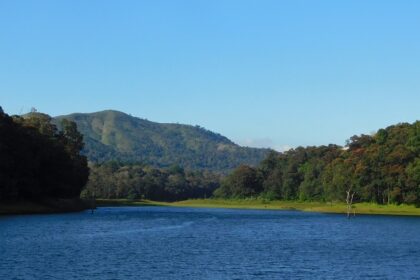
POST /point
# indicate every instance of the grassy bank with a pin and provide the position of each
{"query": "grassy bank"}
(46, 206)
(360, 208)
(128, 202)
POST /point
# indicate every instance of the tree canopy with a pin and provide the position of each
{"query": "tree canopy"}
(37, 160)
(381, 168)
(136, 181)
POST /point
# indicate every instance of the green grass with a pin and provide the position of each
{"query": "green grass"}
(127, 202)
(68, 206)
(321, 207)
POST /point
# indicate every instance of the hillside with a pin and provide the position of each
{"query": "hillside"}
(383, 168)
(112, 135)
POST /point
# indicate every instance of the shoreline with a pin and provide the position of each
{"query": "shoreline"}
(55, 206)
(318, 207)
(45, 206)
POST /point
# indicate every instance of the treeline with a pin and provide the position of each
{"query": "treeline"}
(381, 168)
(112, 180)
(38, 161)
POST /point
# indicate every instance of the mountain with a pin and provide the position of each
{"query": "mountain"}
(112, 135)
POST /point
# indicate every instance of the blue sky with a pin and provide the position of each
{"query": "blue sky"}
(263, 73)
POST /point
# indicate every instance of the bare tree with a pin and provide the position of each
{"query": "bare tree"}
(349, 201)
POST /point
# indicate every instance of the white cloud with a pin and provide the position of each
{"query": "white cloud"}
(282, 148)
(264, 143)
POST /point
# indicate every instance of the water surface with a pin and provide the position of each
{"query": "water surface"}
(188, 243)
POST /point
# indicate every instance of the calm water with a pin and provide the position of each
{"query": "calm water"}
(186, 243)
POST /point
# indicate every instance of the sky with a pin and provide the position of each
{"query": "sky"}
(264, 73)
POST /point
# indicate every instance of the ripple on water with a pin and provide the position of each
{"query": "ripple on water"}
(186, 243)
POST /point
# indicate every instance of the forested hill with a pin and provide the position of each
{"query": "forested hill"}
(112, 135)
(382, 168)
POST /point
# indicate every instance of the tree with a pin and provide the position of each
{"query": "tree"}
(242, 182)
(35, 162)
(72, 138)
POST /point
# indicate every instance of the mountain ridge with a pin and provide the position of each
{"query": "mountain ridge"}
(114, 135)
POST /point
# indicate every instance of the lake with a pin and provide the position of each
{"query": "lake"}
(194, 243)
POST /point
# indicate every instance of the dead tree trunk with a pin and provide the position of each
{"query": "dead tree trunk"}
(92, 203)
(349, 202)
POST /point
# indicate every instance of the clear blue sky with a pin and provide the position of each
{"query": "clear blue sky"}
(263, 73)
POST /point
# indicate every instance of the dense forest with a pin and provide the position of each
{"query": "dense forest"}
(116, 136)
(381, 168)
(38, 161)
(136, 181)
(42, 158)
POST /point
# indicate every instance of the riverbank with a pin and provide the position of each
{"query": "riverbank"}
(45, 206)
(321, 207)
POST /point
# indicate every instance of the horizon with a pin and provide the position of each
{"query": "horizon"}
(266, 74)
(285, 149)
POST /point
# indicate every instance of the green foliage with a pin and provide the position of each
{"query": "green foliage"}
(383, 168)
(37, 161)
(136, 181)
(242, 182)
(112, 135)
